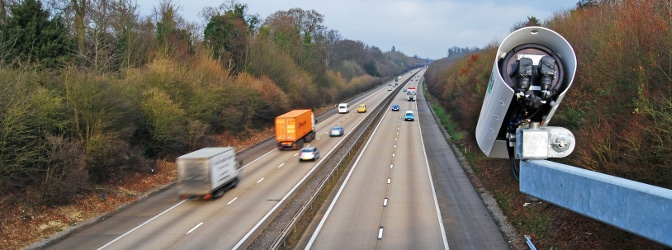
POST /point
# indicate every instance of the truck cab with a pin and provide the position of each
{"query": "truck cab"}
(411, 94)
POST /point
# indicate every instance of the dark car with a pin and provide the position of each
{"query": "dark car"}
(409, 116)
(336, 131)
(395, 107)
(309, 154)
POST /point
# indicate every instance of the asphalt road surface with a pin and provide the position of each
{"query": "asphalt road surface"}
(415, 197)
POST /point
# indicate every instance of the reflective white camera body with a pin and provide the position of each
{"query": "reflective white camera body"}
(493, 130)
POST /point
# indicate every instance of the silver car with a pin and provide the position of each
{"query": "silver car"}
(309, 154)
(336, 131)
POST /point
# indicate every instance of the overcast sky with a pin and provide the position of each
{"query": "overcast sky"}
(426, 28)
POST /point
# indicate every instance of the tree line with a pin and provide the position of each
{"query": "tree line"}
(90, 90)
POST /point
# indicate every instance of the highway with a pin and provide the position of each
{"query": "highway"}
(387, 200)
(269, 176)
(390, 193)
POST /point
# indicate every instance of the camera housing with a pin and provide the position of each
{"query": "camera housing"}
(533, 70)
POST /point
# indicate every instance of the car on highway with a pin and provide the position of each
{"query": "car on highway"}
(395, 107)
(336, 131)
(361, 108)
(409, 116)
(404, 90)
(309, 154)
(342, 108)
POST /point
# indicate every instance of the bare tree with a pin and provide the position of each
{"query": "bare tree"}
(3, 13)
(79, 7)
(331, 38)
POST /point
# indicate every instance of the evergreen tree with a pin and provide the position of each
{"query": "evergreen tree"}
(31, 36)
(371, 68)
(227, 34)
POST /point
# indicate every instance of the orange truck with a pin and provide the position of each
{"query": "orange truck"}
(294, 128)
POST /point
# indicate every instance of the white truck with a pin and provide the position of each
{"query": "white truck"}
(411, 92)
(207, 172)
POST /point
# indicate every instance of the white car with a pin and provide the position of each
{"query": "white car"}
(342, 108)
(309, 154)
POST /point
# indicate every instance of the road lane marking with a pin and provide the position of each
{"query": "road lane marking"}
(326, 215)
(316, 232)
(139, 226)
(260, 180)
(232, 200)
(291, 191)
(281, 165)
(258, 158)
(431, 183)
(194, 228)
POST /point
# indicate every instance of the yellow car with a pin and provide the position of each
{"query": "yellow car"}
(361, 108)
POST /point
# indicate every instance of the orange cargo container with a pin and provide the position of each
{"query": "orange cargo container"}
(294, 128)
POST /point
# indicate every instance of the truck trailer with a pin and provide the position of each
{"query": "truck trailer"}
(411, 93)
(207, 172)
(294, 128)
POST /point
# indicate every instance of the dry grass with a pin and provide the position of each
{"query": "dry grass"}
(24, 224)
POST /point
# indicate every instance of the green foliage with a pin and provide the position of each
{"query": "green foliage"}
(459, 84)
(21, 150)
(172, 39)
(531, 21)
(622, 90)
(370, 68)
(29, 155)
(166, 120)
(31, 36)
(103, 120)
(142, 92)
(227, 35)
(447, 123)
(350, 69)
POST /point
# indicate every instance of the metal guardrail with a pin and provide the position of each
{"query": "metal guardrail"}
(639, 208)
(355, 145)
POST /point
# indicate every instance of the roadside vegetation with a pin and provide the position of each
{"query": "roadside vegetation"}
(96, 100)
(619, 109)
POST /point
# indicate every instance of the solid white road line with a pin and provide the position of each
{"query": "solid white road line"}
(139, 226)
